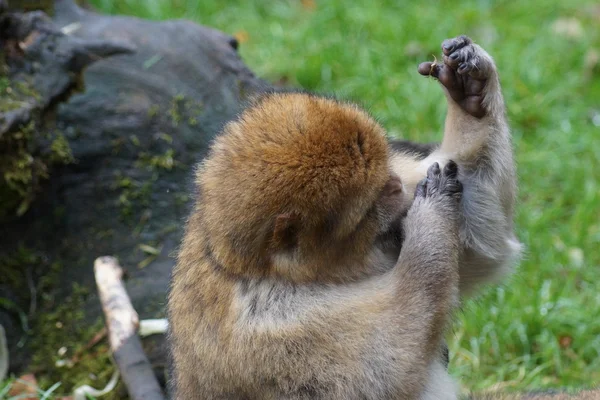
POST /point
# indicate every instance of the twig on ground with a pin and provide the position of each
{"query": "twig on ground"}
(122, 322)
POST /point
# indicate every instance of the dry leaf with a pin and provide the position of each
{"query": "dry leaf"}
(25, 387)
(565, 341)
(241, 36)
(310, 5)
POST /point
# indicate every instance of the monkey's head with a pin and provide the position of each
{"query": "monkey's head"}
(298, 186)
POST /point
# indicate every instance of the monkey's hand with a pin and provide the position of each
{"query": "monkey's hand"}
(433, 219)
(441, 186)
(464, 73)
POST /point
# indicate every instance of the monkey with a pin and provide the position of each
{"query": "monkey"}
(280, 290)
(318, 263)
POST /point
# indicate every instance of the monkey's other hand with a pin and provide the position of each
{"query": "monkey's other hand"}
(441, 185)
(464, 73)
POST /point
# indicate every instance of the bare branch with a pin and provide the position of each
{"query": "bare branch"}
(122, 322)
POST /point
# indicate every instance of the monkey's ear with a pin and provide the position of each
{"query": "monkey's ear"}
(285, 231)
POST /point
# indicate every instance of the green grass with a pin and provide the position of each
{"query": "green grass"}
(542, 328)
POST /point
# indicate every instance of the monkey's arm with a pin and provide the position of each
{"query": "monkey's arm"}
(428, 264)
(477, 137)
(427, 277)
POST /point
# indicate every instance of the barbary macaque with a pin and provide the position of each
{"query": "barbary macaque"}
(322, 262)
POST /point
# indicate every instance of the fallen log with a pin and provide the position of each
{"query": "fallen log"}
(122, 322)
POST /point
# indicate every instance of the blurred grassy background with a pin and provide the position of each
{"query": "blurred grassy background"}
(542, 328)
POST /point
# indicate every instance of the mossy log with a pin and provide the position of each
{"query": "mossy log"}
(39, 67)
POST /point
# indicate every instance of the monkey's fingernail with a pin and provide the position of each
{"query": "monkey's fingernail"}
(453, 56)
(451, 168)
(434, 169)
(447, 45)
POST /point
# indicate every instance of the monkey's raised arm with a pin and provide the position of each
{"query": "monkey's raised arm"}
(477, 137)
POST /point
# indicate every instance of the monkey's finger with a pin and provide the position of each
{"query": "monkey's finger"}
(433, 171)
(450, 45)
(457, 190)
(454, 60)
(428, 69)
(433, 179)
(421, 189)
(448, 78)
(451, 186)
(451, 169)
